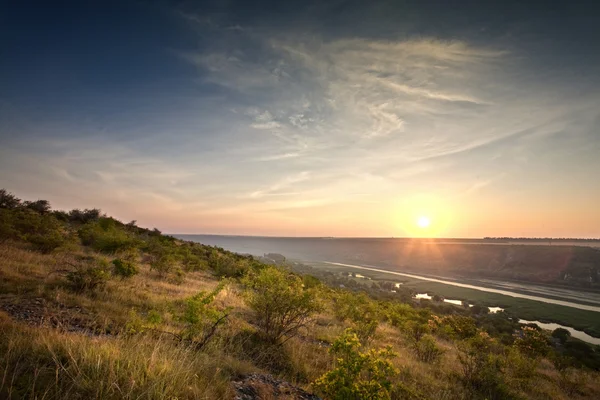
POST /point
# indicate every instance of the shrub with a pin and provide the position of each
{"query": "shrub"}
(7, 230)
(47, 242)
(462, 327)
(361, 310)
(282, 306)
(356, 374)
(124, 268)
(163, 264)
(89, 274)
(201, 318)
(227, 266)
(416, 330)
(521, 367)
(104, 236)
(427, 349)
(532, 342)
(482, 370)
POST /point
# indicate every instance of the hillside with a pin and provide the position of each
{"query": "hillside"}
(91, 307)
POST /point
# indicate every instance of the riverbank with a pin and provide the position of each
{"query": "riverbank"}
(585, 320)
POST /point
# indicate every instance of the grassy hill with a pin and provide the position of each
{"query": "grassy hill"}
(91, 307)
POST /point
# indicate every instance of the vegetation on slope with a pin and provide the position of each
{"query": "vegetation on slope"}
(91, 307)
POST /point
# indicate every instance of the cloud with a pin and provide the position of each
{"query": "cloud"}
(277, 189)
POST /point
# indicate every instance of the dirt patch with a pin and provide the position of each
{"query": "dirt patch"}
(266, 387)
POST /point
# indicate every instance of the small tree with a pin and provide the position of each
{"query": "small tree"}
(357, 375)
(281, 303)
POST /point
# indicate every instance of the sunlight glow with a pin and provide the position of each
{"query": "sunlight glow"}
(423, 222)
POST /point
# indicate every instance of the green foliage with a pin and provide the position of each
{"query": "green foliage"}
(8, 200)
(482, 369)
(163, 264)
(47, 242)
(532, 342)
(281, 305)
(84, 216)
(427, 350)
(124, 268)
(104, 235)
(7, 230)
(462, 327)
(44, 232)
(561, 334)
(89, 274)
(201, 317)
(225, 265)
(361, 310)
(39, 206)
(357, 375)
(520, 367)
(416, 330)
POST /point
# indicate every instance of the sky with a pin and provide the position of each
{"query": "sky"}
(307, 118)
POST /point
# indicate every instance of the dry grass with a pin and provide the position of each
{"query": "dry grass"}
(37, 362)
(44, 363)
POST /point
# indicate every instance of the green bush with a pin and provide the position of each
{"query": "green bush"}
(227, 266)
(281, 305)
(532, 342)
(202, 318)
(163, 264)
(427, 349)
(7, 229)
(520, 367)
(106, 237)
(48, 242)
(124, 268)
(356, 374)
(363, 312)
(481, 368)
(89, 274)
(462, 327)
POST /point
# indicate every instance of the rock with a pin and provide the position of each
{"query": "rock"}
(260, 386)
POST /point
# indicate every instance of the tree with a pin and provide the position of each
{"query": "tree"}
(8, 200)
(39, 206)
(561, 334)
(357, 375)
(281, 304)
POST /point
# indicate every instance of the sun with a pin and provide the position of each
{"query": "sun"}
(423, 222)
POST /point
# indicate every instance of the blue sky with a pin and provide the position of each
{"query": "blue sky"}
(341, 118)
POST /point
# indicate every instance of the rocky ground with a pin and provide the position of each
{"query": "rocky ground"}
(262, 387)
